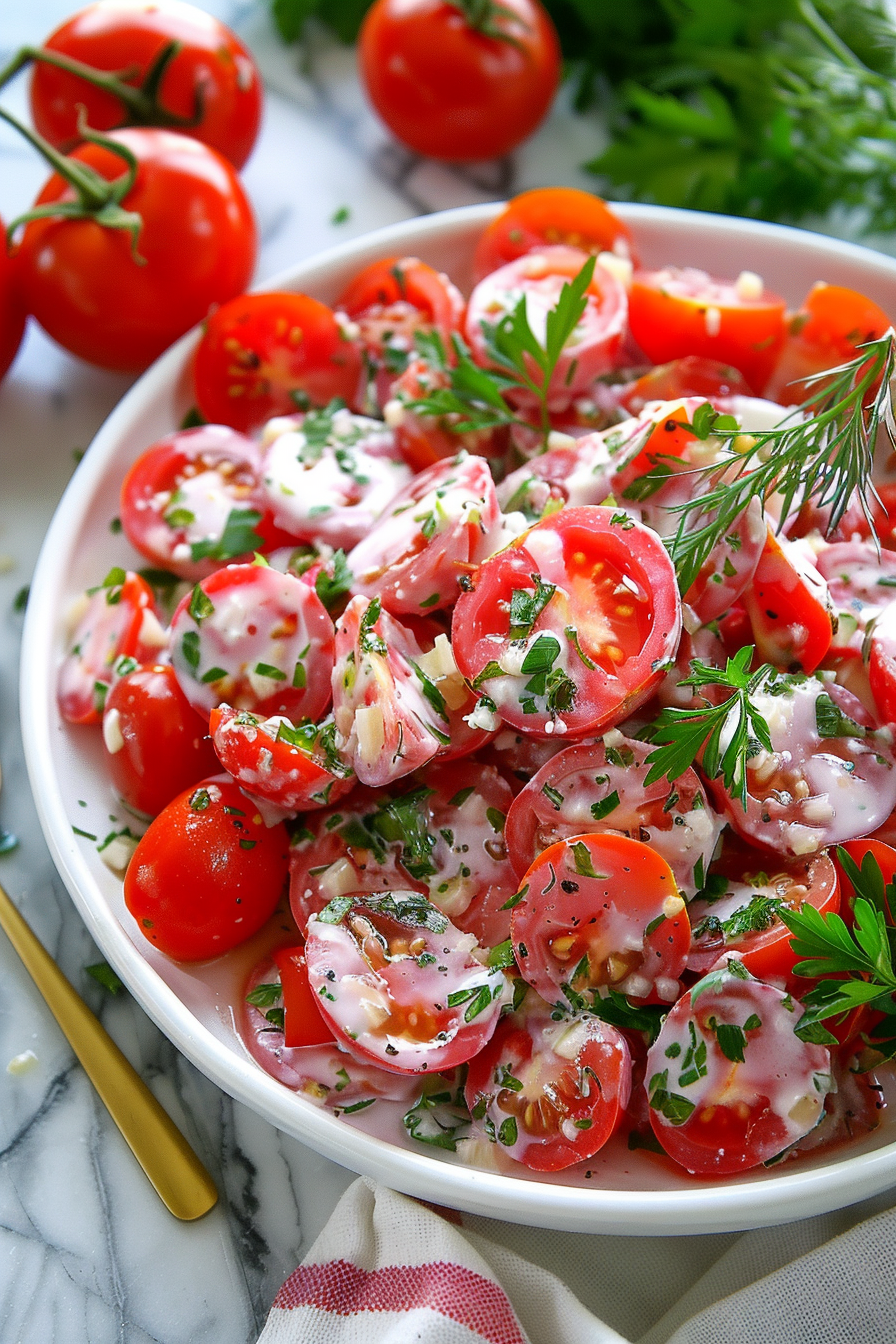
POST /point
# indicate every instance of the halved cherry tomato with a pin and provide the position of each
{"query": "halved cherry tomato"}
(442, 524)
(425, 439)
(883, 854)
(294, 766)
(328, 475)
(882, 663)
(538, 278)
(116, 620)
(256, 639)
(455, 85)
(193, 501)
(156, 745)
(549, 216)
(676, 312)
(569, 628)
(600, 788)
(269, 354)
(207, 874)
(325, 1074)
(211, 85)
(198, 241)
(599, 912)
(690, 376)
(830, 776)
(743, 913)
(729, 1083)
(789, 607)
(826, 331)
(397, 981)
(550, 1092)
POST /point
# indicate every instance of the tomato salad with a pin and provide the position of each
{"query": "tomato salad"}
(505, 653)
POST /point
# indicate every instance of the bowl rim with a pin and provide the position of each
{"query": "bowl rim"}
(705, 1207)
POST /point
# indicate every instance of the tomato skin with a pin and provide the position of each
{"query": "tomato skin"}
(198, 240)
(12, 311)
(207, 874)
(545, 1108)
(119, 620)
(259, 350)
(549, 216)
(450, 91)
(164, 744)
(212, 64)
(267, 765)
(669, 318)
(789, 607)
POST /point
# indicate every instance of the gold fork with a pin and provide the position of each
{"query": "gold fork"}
(182, 1182)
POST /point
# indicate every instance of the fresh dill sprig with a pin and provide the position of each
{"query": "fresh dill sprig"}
(475, 398)
(823, 452)
(724, 737)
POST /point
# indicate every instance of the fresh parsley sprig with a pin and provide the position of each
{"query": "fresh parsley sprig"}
(860, 957)
(723, 737)
(823, 452)
(476, 397)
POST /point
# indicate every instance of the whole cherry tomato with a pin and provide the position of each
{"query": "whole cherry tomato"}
(211, 76)
(207, 874)
(269, 354)
(12, 313)
(455, 86)
(197, 244)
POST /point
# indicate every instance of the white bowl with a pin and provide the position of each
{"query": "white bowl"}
(619, 1192)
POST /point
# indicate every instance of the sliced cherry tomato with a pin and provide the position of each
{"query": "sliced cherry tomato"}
(547, 217)
(539, 277)
(193, 501)
(198, 241)
(388, 726)
(882, 663)
(116, 620)
(443, 523)
(576, 473)
(325, 1074)
(268, 354)
(156, 745)
(256, 639)
(442, 836)
(207, 874)
(294, 766)
(425, 439)
(829, 777)
(397, 981)
(789, 607)
(459, 87)
(826, 331)
(690, 376)
(328, 475)
(210, 88)
(391, 301)
(569, 628)
(729, 1083)
(549, 1092)
(742, 915)
(12, 310)
(600, 912)
(600, 788)
(677, 312)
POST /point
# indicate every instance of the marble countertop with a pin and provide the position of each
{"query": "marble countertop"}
(87, 1252)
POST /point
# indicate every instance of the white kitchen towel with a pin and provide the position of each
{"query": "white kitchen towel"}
(388, 1270)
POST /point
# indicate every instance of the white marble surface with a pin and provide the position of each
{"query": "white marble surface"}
(87, 1252)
